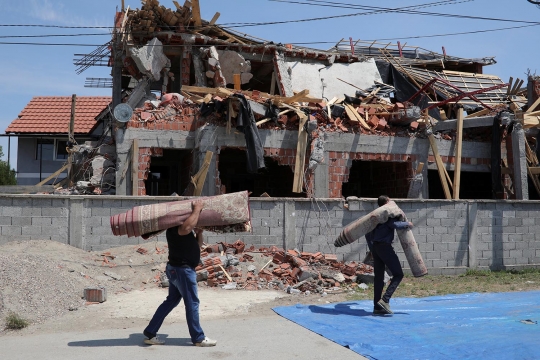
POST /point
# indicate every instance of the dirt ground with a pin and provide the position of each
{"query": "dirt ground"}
(43, 282)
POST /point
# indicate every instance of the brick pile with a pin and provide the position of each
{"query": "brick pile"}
(224, 263)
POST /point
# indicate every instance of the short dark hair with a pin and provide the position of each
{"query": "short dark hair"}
(382, 200)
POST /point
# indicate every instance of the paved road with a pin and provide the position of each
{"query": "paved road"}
(243, 338)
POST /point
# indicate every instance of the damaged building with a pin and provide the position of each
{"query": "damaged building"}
(198, 109)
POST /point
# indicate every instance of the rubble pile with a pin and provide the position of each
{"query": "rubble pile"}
(221, 265)
(93, 169)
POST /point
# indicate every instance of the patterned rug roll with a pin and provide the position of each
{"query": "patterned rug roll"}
(221, 213)
(367, 223)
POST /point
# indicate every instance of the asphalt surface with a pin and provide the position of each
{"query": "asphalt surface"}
(249, 338)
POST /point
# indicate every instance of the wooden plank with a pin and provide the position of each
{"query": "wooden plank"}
(534, 170)
(509, 85)
(196, 13)
(25, 189)
(214, 19)
(53, 175)
(459, 139)
(135, 168)
(296, 97)
(178, 6)
(226, 273)
(440, 166)
(355, 116)
(301, 148)
(237, 82)
(71, 137)
(419, 168)
(533, 106)
(478, 113)
(199, 178)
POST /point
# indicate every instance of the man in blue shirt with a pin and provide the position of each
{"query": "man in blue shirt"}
(379, 241)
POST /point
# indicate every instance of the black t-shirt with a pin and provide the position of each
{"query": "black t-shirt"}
(183, 249)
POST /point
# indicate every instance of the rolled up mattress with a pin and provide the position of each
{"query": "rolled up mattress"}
(367, 223)
(228, 212)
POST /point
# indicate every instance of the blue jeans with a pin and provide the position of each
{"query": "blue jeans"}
(182, 285)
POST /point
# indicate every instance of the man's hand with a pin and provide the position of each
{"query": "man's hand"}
(410, 225)
(197, 205)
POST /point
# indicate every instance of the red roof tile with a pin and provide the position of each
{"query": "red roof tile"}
(51, 114)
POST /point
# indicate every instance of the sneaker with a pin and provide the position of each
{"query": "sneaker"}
(379, 312)
(207, 342)
(154, 341)
(385, 306)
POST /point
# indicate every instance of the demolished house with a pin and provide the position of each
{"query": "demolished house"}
(357, 120)
(199, 109)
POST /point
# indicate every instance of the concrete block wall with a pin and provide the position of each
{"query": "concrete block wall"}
(451, 235)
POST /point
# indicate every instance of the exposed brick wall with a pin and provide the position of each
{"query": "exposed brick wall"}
(341, 162)
(186, 67)
(145, 157)
(187, 121)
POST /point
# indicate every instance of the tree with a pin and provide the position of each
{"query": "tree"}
(7, 175)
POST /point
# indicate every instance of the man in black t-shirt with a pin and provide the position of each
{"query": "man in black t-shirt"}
(184, 243)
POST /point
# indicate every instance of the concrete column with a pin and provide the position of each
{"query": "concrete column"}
(320, 178)
(75, 232)
(289, 225)
(472, 211)
(206, 140)
(520, 162)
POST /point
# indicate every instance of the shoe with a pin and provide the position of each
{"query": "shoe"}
(379, 312)
(154, 341)
(385, 306)
(207, 342)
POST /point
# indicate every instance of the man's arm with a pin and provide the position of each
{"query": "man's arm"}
(192, 219)
(199, 236)
(399, 225)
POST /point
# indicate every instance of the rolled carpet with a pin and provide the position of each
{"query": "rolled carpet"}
(221, 213)
(367, 223)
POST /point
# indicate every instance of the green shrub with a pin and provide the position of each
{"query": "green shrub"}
(15, 322)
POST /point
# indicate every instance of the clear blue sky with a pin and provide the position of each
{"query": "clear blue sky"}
(46, 70)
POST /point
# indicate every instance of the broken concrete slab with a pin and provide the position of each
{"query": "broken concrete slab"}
(233, 63)
(150, 59)
(467, 123)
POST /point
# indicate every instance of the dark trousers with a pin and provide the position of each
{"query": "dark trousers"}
(385, 256)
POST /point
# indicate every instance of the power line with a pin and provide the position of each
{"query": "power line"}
(422, 36)
(400, 10)
(379, 11)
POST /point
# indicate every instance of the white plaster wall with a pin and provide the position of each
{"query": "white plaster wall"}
(322, 81)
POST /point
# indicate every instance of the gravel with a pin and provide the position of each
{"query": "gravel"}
(35, 289)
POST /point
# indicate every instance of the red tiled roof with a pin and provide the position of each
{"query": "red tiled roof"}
(51, 114)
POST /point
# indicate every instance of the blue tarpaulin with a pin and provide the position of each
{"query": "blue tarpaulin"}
(469, 326)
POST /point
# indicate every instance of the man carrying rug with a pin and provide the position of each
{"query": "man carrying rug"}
(379, 241)
(184, 243)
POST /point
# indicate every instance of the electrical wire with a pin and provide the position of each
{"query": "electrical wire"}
(399, 10)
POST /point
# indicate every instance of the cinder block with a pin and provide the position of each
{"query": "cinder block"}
(12, 211)
(11, 230)
(42, 221)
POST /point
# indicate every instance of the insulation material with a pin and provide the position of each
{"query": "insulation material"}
(367, 223)
(323, 81)
(221, 213)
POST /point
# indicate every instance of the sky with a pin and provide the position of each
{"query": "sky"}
(30, 65)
